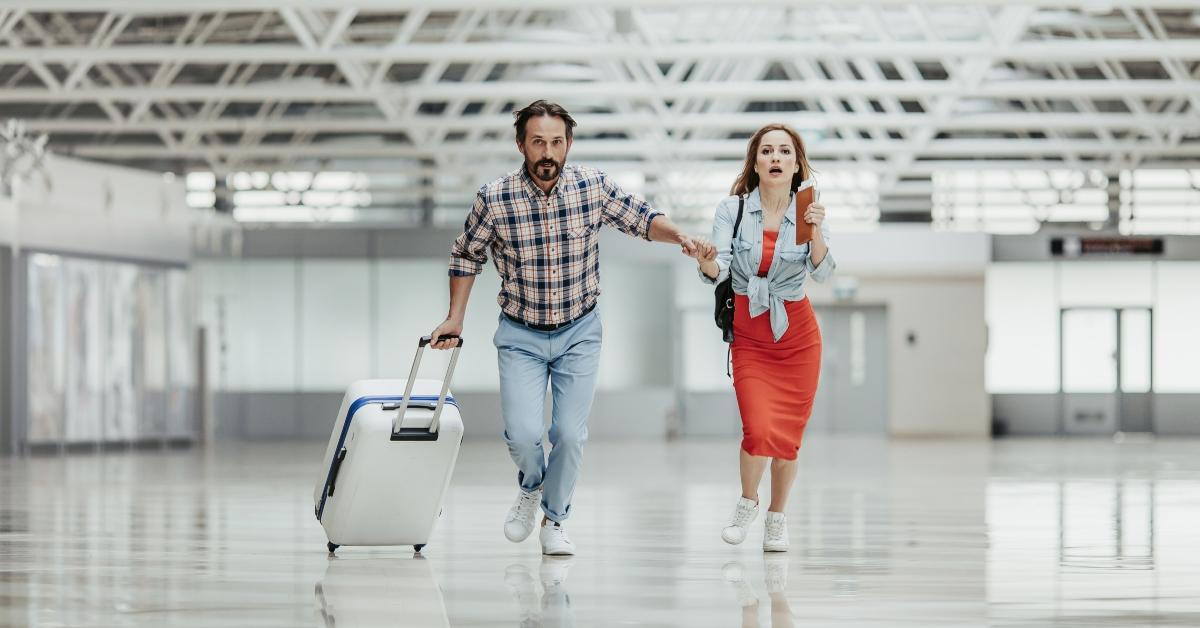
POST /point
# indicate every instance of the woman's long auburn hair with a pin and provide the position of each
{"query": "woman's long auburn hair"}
(748, 179)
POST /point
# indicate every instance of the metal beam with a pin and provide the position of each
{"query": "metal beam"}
(742, 90)
(637, 121)
(1033, 51)
(181, 6)
(947, 149)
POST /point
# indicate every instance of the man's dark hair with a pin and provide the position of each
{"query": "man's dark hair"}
(539, 108)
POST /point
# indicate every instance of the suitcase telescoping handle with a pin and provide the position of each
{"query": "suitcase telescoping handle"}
(412, 377)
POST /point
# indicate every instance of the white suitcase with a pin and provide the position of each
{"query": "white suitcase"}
(386, 469)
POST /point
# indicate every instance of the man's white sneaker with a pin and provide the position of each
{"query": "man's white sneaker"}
(775, 539)
(554, 540)
(743, 515)
(519, 524)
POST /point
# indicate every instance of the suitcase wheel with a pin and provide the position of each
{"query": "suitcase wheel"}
(418, 548)
(332, 547)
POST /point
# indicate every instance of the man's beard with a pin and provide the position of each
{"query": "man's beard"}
(546, 169)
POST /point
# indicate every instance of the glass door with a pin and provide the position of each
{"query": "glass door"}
(1106, 370)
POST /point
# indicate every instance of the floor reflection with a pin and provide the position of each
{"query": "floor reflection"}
(365, 592)
(907, 534)
(551, 608)
(774, 584)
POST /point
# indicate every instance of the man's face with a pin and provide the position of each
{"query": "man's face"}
(545, 147)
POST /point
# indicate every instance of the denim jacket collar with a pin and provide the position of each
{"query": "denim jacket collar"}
(754, 204)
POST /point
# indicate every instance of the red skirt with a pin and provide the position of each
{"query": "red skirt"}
(775, 382)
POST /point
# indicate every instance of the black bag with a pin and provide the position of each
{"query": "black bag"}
(723, 293)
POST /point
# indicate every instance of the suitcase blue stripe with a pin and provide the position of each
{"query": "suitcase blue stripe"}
(354, 407)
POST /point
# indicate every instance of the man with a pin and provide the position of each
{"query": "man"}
(542, 226)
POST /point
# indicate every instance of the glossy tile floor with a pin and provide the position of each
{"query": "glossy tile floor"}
(901, 533)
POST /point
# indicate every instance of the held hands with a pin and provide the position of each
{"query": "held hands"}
(687, 244)
(448, 327)
(815, 214)
(702, 250)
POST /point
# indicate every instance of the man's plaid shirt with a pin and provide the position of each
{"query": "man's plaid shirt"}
(546, 246)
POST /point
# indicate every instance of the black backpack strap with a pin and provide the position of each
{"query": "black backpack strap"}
(737, 225)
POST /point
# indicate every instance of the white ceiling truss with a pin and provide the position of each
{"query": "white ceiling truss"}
(668, 90)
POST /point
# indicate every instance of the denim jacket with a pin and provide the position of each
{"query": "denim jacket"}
(789, 267)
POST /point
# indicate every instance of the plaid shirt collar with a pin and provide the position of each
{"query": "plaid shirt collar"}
(566, 177)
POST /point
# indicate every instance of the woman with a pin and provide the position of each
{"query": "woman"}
(776, 344)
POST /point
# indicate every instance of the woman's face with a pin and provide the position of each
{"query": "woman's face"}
(776, 160)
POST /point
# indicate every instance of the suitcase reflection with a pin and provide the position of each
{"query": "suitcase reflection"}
(366, 592)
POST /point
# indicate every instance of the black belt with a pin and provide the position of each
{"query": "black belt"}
(552, 326)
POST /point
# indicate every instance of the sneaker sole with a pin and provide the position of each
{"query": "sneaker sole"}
(527, 534)
(559, 553)
(731, 542)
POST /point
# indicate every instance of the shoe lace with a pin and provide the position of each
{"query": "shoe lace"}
(742, 514)
(558, 532)
(525, 505)
(775, 530)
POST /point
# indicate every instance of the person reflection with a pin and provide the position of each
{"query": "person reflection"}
(553, 607)
(775, 573)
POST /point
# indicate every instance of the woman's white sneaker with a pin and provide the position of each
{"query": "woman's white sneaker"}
(775, 539)
(743, 515)
(519, 523)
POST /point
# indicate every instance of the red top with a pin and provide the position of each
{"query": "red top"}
(769, 238)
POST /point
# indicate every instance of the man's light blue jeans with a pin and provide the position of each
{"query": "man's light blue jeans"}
(568, 359)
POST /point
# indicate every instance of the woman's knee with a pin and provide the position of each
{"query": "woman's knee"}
(754, 444)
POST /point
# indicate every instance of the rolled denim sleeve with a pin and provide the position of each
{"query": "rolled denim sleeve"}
(825, 270)
(628, 213)
(722, 238)
(469, 252)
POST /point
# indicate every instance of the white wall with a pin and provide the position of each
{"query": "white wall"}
(103, 210)
(932, 285)
(1025, 298)
(936, 383)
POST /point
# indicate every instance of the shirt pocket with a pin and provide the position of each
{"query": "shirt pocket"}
(577, 234)
(578, 220)
(577, 242)
(793, 254)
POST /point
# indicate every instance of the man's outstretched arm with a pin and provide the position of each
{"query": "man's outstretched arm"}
(663, 230)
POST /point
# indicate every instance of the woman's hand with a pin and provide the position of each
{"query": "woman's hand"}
(815, 215)
(705, 251)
